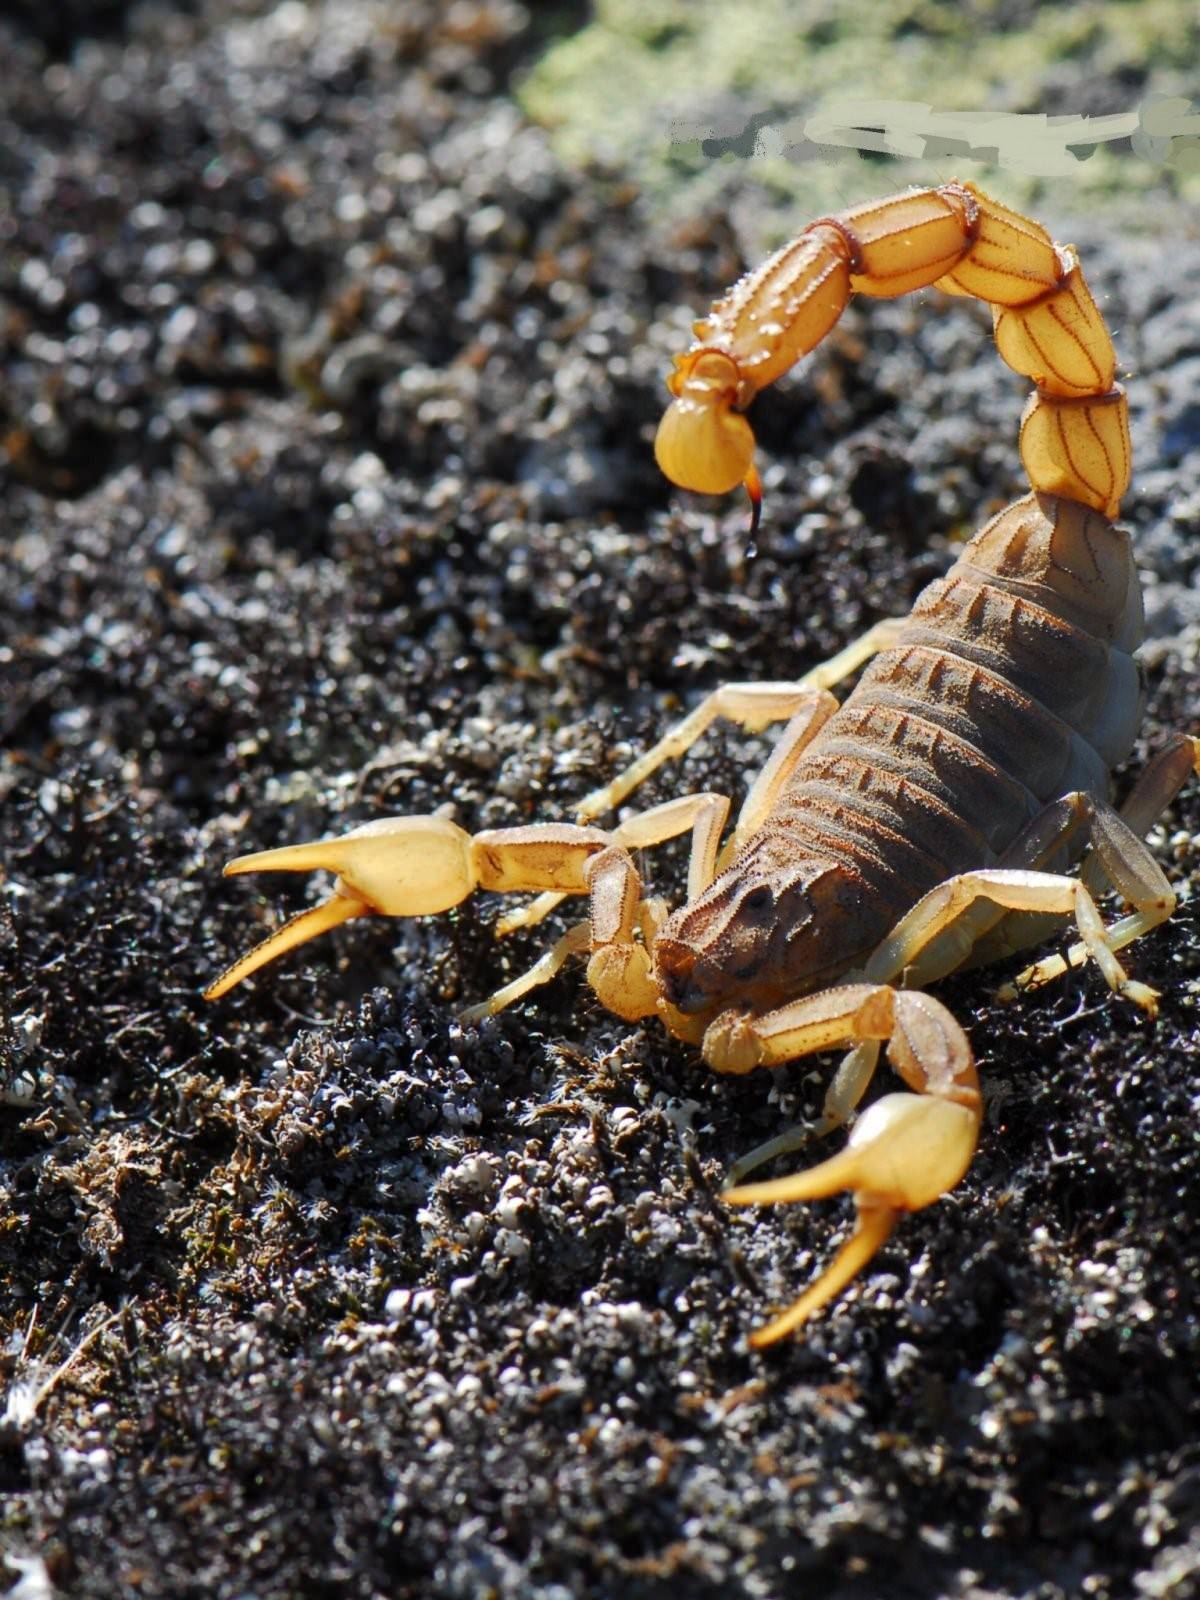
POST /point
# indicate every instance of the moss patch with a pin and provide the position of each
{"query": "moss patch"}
(697, 98)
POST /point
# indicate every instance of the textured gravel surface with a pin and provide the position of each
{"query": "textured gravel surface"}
(327, 493)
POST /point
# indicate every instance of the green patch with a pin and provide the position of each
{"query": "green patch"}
(805, 104)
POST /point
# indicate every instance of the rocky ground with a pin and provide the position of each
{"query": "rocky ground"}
(328, 392)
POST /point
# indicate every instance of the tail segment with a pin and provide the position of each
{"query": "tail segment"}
(1074, 436)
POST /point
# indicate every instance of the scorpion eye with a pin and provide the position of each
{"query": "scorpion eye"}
(759, 901)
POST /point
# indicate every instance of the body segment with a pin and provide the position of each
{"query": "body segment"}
(997, 698)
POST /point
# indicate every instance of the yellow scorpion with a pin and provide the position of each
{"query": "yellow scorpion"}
(925, 823)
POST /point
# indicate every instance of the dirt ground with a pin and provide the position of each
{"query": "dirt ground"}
(328, 493)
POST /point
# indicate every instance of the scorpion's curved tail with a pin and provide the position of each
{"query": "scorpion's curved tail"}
(1075, 428)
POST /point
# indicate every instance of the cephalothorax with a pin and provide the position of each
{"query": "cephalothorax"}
(924, 823)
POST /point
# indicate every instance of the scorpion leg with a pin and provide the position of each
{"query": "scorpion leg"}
(574, 942)
(1120, 858)
(778, 768)
(940, 932)
(984, 930)
(847, 1087)
(905, 1151)
(754, 707)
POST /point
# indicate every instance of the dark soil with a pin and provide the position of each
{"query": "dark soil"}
(328, 494)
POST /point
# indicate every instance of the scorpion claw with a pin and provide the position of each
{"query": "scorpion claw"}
(397, 866)
(339, 907)
(905, 1152)
(875, 1224)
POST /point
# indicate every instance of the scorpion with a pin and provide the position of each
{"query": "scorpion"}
(928, 821)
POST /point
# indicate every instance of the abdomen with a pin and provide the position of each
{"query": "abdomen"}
(1012, 684)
